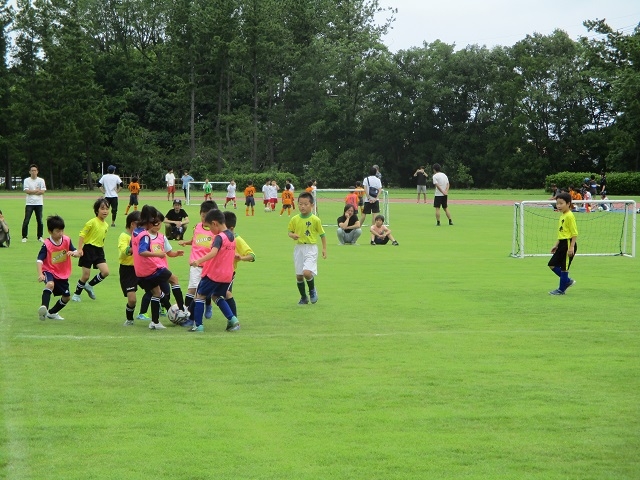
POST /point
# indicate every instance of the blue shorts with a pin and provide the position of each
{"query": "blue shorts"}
(60, 286)
(210, 288)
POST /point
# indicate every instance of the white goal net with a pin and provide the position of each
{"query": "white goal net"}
(605, 227)
(329, 205)
(195, 192)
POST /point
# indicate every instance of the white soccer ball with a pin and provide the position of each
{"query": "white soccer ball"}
(600, 209)
(175, 315)
(267, 209)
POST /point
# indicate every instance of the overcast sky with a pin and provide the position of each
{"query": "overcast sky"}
(499, 22)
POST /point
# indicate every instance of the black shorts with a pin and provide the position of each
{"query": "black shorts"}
(113, 203)
(128, 279)
(372, 207)
(287, 206)
(250, 202)
(440, 201)
(92, 256)
(133, 199)
(361, 201)
(149, 283)
(381, 241)
(560, 257)
(60, 286)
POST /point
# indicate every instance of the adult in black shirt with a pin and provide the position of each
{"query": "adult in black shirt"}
(421, 182)
(175, 221)
(348, 226)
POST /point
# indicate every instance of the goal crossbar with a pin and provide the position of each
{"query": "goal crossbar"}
(605, 227)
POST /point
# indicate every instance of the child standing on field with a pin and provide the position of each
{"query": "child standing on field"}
(566, 246)
(287, 200)
(304, 229)
(380, 233)
(249, 199)
(217, 272)
(91, 250)
(359, 191)
(54, 268)
(243, 254)
(231, 194)
(134, 190)
(128, 279)
(351, 198)
(208, 189)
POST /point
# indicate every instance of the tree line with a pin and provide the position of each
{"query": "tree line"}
(304, 86)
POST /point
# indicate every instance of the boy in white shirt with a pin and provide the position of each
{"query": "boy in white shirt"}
(231, 194)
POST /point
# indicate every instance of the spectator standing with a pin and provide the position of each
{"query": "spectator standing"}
(170, 179)
(372, 189)
(34, 187)
(186, 178)
(421, 183)
(441, 181)
(110, 185)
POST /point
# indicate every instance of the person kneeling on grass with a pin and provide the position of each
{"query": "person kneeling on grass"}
(380, 233)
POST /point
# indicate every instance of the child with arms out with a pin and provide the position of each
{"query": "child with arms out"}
(304, 229)
(54, 268)
(566, 246)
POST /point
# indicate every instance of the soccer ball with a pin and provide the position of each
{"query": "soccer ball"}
(267, 209)
(176, 316)
(600, 209)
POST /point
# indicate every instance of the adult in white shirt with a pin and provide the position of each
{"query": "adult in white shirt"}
(34, 187)
(170, 178)
(110, 185)
(441, 181)
(372, 189)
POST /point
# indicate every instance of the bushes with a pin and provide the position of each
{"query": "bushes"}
(627, 183)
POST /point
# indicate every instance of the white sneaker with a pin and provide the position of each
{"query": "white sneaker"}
(76, 298)
(156, 326)
(90, 292)
(24, 240)
(128, 323)
(42, 313)
(54, 316)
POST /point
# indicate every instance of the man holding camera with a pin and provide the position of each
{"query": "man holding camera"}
(421, 182)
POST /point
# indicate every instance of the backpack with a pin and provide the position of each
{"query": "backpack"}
(373, 191)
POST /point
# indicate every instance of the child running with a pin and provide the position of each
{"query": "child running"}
(217, 272)
(54, 268)
(134, 190)
(91, 250)
(200, 245)
(566, 246)
(231, 194)
(128, 279)
(287, 200)
(249, 199)
(304, 229)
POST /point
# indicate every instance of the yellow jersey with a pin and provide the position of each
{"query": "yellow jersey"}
(94, 232)
(567, 227)
(125, 256)
(308, 228)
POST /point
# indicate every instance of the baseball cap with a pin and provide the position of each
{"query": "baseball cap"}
(177, 202)
(111, 168)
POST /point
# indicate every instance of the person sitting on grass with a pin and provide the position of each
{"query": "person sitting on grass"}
(348, 226)
(380, 233)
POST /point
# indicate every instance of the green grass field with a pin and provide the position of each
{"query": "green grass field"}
(440, 358)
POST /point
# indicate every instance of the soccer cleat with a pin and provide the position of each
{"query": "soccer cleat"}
(188, 323)
(233, 325)
(54, 316)
(450, 222)
(557, 291)
(208, 311)
(42, 312)
(572, 282)
(156, 326)
(24, 240)
(163, 311)
(313, 294)
(303, 301)
(372, 242)
(90, 292)
(113, 224)
(128, 323)
(395, 243)
(143, 316)
(76, 298)
(438, 223)
(196, 328)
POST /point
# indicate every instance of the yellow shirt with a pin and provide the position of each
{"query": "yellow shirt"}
(308, 228)
(567, 227)
(125, 257)
(94, 232)
(242, 249)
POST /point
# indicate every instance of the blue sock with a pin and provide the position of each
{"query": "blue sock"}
(232, 305)
(556, 270)
(224, 308)
(198, 311)
(564, 281)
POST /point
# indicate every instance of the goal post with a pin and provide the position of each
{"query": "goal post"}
(329, 205)
(196, 190)
(605, 227)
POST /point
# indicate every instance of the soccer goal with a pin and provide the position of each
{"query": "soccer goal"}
(196, 190)
(605, 227)
(329, 205)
